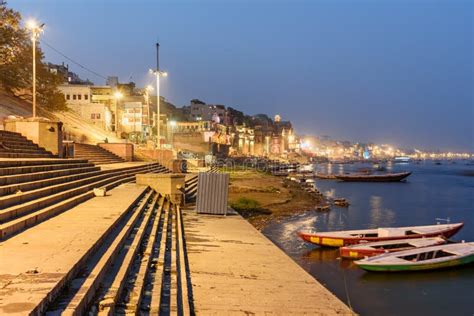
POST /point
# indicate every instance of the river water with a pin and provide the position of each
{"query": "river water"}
(432, 191)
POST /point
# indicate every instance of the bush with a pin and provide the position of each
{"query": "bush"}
(245, 204)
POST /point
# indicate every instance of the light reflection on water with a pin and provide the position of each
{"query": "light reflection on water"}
(431, 191)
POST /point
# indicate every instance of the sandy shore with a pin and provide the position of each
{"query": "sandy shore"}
(277, 196)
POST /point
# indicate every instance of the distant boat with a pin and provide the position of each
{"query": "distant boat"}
(324, 176)
(363, 177)
(370, 249)
(429, 258)
(403, 159)
(352, 237)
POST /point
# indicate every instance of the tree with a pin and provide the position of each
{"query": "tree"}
(16, 64)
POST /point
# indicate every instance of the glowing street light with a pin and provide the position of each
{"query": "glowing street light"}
(32, 25)
(117, 96)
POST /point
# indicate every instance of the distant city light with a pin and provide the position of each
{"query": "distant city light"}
(118, 95)
(173, 123)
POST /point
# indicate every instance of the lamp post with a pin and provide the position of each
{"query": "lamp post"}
(117, 96)
(158, 73)
(35, 32)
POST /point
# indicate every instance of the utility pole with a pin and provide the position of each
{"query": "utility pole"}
(158, 74)
(35, 32)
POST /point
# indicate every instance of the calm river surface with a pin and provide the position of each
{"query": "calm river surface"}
(431, 191)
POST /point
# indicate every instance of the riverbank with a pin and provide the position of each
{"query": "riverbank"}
(276, 197)
(236, 270)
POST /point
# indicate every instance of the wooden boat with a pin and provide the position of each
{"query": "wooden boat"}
(324, 176)
(352, 237)
(384, 177)
(370, 249)
(341, 202)
(428, 258)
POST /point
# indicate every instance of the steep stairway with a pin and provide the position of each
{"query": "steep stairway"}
(15, 145)
(95, 154)
(33, 190)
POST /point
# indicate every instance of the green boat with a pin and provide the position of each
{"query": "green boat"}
(427, 258)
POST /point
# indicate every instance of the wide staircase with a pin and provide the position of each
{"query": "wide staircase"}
(14, 145)
(133, 261)
(139, 269)
(95, 154)
(33, 190)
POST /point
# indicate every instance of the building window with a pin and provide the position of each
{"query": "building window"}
(74, 97)
(97, 116)
(86, 97)
(79, 96)
(92, 116)
(68, 97)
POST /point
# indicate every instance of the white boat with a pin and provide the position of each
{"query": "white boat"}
(428, 258)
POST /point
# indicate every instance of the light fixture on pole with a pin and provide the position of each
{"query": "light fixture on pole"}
(117, 96)
(35, 32)
(158, 73)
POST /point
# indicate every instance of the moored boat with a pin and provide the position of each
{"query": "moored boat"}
(324, 176)
(428, 258)
(363, 177)
(370, 249)
(352, 237)
(401, 159)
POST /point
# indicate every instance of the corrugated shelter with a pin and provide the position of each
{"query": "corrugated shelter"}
(212, 193)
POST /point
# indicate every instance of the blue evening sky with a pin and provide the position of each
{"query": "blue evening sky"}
(398, 72)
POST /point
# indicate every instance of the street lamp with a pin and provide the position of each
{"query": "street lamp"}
(32, 25)
(117, 96)
(158, 73)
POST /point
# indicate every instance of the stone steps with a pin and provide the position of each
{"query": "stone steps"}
(20, 155)
(19, 217)
(9, 168)
(83, 290)
(44, 173)
(15, 145)
(20, 150)
(95, 154)
(51, 190)
(190, 190)
(49, 179)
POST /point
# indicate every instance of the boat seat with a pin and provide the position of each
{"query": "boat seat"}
(390, 232)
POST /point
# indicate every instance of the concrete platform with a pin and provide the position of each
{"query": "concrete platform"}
(235, 270)
(36, 261)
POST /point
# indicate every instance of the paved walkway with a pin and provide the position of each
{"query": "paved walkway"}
(38, 259)
(235, 270)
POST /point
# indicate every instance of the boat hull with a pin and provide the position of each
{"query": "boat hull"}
(360, 253)
(334, 241)
(374, 178)
(417, 267)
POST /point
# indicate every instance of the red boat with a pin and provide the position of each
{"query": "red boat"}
(352, 237)
(370, 249)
